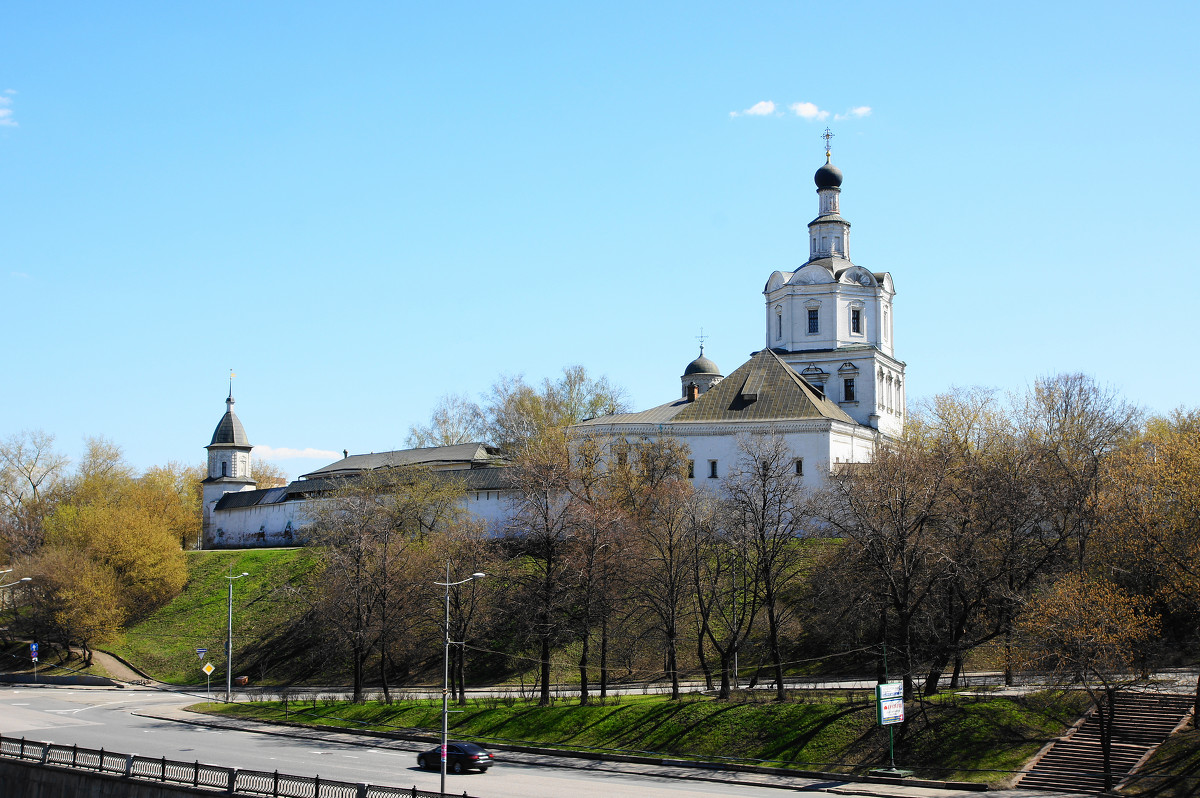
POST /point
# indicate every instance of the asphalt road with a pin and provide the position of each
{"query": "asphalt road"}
(96, 718)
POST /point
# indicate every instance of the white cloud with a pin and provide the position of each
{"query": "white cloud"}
(854, 113)
(808, 111)
(762, 108)
(6, 118)
(804, 110)
(284, 453)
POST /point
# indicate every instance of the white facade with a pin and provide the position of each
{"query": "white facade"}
(833, 321)
(238, 515)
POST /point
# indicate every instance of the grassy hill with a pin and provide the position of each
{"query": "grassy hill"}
(267, 610)
(955, 738)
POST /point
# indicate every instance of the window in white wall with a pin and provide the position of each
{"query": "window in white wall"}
(848, 389)
(856, 321)
(814, 321)
(799, 466)
(712, 469)
(691, 469)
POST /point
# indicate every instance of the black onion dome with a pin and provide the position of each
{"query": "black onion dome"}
(828, 176)
(701, 365)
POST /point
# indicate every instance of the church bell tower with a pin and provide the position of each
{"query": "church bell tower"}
(831, 320)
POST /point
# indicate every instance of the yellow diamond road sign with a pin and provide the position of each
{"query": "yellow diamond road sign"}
(208, 668)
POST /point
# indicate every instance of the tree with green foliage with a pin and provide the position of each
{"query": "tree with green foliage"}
(114, 529)
(75, 601)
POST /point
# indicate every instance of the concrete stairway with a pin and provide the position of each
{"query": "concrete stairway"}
(1075, 763)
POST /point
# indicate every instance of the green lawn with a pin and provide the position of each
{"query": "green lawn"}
(266, 607)
(953, 738)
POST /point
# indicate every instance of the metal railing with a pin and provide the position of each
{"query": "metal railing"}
(231, 781)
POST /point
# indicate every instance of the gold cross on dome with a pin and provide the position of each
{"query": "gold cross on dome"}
(827, 135)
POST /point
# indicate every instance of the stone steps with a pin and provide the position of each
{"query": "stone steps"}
(1141, 722)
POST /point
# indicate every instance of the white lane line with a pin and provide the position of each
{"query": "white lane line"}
(82, 709)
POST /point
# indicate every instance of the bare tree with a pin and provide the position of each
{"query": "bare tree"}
(517, 412)
(456, 419)
(29, 470)
(658, 500)
(1072, 425)
(372, 537)
(891, 513)
(1089, 632)
(542, 537)
(725, 579)
(765, 501)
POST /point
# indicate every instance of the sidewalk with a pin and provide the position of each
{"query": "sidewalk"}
(777, 778)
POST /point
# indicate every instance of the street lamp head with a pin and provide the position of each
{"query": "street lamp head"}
(25, 579)
(478, 575)
(245, 573)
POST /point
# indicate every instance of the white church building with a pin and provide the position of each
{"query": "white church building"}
(827, 380)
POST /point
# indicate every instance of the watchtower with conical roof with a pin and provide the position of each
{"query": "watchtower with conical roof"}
(228, 463)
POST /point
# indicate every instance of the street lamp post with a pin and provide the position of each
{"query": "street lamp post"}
(446, 664)
(229, 640)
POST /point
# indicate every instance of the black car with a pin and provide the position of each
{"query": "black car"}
(459, 757)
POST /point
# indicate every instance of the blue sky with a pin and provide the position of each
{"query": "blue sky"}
(362, 207)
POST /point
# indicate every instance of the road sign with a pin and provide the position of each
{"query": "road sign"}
(33, 654)
(200, 652)
(890, 698)
(208, 669)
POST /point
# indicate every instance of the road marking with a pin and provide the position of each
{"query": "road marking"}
(81, 709)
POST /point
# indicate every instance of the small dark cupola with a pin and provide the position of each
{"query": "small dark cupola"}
(701, 374)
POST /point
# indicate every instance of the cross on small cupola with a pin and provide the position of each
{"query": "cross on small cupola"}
(827, 135)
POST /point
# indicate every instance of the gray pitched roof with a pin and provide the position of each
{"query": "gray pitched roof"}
(473, 455)
(488, 478)
(655, 415)
(763, 388)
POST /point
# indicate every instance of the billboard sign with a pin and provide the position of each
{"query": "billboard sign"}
(890, 702)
